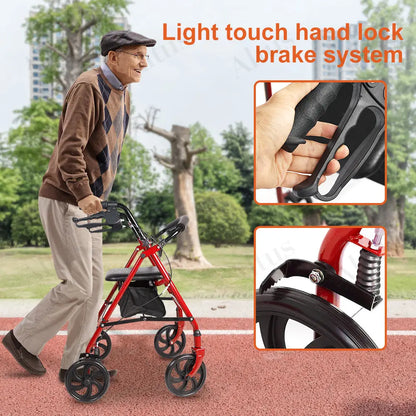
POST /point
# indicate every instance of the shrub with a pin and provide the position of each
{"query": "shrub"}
(221, 220)
(26, 226)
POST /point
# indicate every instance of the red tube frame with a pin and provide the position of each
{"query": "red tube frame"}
(181, 307)
(331, 252)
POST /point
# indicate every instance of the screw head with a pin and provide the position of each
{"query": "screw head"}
(316, 276)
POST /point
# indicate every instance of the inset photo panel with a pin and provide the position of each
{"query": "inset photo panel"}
(321, 142)
(320, 288)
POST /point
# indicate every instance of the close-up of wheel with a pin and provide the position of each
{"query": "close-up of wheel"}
(290, 318)
(163, 342)
(104, 344)
(87, 380)
(177, 376)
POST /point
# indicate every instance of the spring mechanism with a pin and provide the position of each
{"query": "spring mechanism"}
(368, 272)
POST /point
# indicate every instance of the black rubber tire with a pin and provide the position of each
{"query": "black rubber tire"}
(104, 345)
(87, 380)
(176, 377)
(162, 342)
(334, 328)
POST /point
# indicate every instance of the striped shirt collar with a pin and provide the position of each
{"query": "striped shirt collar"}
(112, 79)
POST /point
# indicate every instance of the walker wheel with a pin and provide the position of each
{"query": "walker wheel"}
(177, 378)
(104, 345)
(163, 345)
(87, 380)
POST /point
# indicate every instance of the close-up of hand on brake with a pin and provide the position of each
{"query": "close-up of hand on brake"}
(274, 120)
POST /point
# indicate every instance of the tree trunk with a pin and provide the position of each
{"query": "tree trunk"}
(181, 162)
(390, 217)
(188, 247)
(312, 216)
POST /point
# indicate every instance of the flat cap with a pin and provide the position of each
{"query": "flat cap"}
(118, 38)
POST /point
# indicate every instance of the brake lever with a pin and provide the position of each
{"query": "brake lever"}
(111, 217)
(366, 107)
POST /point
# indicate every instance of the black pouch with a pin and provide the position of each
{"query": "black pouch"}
(141, 297)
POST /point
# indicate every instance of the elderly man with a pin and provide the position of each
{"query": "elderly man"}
(80, 174)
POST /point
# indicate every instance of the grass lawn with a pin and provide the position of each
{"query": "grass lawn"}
(401, 276)
(27, 273)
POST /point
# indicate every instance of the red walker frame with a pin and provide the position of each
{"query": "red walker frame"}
(89, 370)
(181, 307)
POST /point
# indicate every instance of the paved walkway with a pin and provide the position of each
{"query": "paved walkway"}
(206, 308)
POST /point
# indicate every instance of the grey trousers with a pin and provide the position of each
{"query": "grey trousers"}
(77, 257)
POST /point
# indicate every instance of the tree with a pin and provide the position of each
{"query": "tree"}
(181, 163)
(9, 185)
(410, 225)
(401, 110)
(213, 171)
(221, 219)
(31, 144)
(238, 144)
(135, 174)
(344, 215)
(26, 226)
(156, 208)
(274, 215)
(65, 30)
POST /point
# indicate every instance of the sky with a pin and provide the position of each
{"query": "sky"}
(210, 82)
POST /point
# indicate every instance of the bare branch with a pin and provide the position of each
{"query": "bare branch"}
(62, 82)
(161, 132)
(196, 151)
(88, 25)
(57, 51)
(164, 161)
(191, 153)
(89, 55)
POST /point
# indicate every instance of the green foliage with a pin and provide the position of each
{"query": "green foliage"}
(410, 225)
(274, 215)
(156, 207)
(401, 88)
(64, 32)
(9, 185)
(344, 215)
(26, 226)
(221, 220)
(32, 143)
(135, 174)
(213, 171)
(238, 145)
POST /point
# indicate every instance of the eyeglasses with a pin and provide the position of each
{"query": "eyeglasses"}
(139, 56)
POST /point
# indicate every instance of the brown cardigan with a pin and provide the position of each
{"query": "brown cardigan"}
(90, 138)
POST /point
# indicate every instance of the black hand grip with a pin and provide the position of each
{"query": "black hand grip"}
(309, 110)
(179, 223)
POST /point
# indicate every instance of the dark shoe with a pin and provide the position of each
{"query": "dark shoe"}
(62, 374)
(27, 360)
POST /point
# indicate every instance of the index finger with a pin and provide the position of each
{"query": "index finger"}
(292, 94)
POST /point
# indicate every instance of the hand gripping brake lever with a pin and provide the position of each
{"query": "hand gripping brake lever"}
(361, 128)
(111, 219)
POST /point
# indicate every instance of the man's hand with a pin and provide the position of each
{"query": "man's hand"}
(90, 204)
(274, 120)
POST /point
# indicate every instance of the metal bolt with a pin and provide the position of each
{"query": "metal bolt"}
(316, 276)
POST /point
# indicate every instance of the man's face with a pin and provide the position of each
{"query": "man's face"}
(127, 63)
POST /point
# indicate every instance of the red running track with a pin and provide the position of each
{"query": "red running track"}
(240, 379)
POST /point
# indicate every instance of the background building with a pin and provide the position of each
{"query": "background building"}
(328, 71)
(40, 90)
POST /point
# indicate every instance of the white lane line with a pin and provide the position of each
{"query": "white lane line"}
(153, 331)
(208, 332)
(402, 333)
